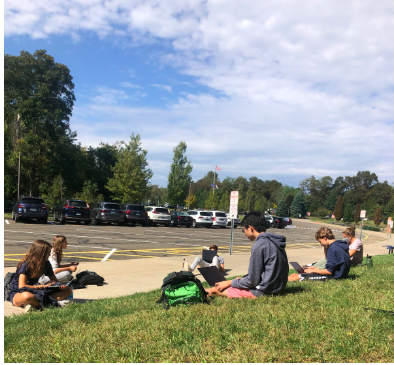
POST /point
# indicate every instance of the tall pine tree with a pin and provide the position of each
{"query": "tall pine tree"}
(357, 213)
(339, 208)
(281, 211)
(297, 207)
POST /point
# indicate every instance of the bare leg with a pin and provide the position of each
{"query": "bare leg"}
(61, 294)
(294, 277)
(25, 298)
(214, 292)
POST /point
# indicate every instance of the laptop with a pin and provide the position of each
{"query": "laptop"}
(212, 275)
(58, 284)
(297, 267)
(208, 255)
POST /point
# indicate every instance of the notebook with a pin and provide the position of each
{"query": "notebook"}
(297, 267)
(212, 275)
(208, 255)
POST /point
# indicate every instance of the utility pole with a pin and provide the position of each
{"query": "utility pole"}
(19, 174)
(61, 189)
(188, 202)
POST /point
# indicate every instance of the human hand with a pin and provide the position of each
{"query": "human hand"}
(223, 285)
(63, 287)
(73, 268)
(50, 283)
(75, 263)
(310, 270)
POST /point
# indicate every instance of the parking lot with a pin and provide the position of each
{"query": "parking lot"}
(112, 242)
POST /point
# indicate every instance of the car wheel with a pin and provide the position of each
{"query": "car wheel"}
(154, 224)
(173, 223)
(210, 226)
(167, 225)
(97, 221)
(121, 223)
(62, 219)
(17, 219)
(194, 224)
(143, 224)
(44, 221)
(189, 225)
(88, 222)
(235, 226)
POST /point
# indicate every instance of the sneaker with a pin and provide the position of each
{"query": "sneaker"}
(63, 303)
(29, 308)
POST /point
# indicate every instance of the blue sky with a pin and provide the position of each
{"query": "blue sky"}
(275, 89)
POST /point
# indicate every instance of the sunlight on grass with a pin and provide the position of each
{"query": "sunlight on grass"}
(313, 322)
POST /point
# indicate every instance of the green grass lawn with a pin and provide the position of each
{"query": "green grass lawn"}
(313, 322)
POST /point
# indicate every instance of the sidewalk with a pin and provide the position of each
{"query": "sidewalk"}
(126, 277)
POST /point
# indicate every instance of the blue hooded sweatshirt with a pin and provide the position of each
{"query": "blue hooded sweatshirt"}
(338, 259)
(268, 266)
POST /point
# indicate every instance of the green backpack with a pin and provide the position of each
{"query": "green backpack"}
(182, 287)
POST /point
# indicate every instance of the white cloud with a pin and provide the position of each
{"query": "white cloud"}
(163, 87)
(130, 85)
(294, 80)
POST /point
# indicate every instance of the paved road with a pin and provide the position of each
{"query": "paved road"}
(94, 243)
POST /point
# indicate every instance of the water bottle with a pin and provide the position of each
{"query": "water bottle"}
(183, 265)
(369, 262)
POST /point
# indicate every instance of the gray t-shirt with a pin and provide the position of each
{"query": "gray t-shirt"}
(358, 255)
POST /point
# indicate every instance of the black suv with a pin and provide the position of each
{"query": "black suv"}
(278, 222)
(73, 210)
(107, 212)
(30, 207)
(135, 213)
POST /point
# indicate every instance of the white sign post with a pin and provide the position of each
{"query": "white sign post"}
(232, 215)
(389, 227)
(362, 216)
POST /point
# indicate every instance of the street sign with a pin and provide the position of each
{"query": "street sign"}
(233, 211)
(362, 214)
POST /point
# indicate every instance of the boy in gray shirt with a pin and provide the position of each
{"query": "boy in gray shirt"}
(268, 266)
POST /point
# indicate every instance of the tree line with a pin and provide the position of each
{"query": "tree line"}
(38, 102)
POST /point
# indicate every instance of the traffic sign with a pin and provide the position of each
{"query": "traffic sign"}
(233, 211)
(362, 214)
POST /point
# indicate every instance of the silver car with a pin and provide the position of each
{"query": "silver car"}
(219, 219)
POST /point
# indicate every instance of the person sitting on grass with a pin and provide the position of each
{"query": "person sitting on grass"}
(355, 246)
(338, 259)
(198, 261)
(62, 272)
(268, 266)
(24, 289)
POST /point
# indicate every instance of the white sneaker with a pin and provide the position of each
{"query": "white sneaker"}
(29, 308)
(63, 303)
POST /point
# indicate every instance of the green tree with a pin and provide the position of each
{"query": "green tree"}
(130, 183)
(357, 214)
(224, 203)
(339, 208)
(348, 214)
(90, 193)
(212, 202)
(322, 212)
(389, 209)
(378, 216)
(281, 211)
(38, 102)
(52, 193)
(261, 204)
(179, 177)
(298, 206)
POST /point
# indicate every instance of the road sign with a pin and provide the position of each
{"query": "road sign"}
(233, 211)
(234, 201)
(362, 214)
(234, 194)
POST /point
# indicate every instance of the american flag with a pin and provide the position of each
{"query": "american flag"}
(217, 168)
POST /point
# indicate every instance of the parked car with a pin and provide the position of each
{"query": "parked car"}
(269, 219)
(201, 218)
(107, 212)
(237, 221)
(219, 219)
(181, 218)
(278, 222)
(158, 215)
(31, 208)
(72, 210)
(135, 213)
(288, 221)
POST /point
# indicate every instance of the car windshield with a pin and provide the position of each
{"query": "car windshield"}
(182, 213)
(161, 210)
(219, 214)
(205, 214)
(135, 207)
(111, 206)
(32, 201)
(77, 204)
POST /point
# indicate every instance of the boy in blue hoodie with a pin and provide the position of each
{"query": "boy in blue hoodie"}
(338, 259)
(268, 266)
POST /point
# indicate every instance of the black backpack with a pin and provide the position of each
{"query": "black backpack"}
(182, 287)
(89, 278)
(7, 285)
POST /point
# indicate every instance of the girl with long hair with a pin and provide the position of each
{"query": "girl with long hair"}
(25, 291)
(62, 272)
